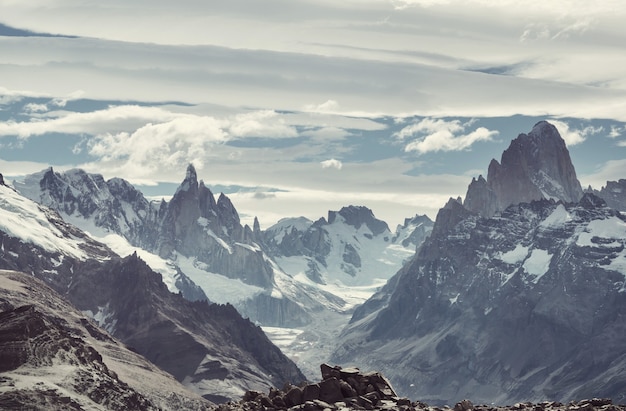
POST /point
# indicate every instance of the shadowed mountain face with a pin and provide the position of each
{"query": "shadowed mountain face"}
(527, 305)
(536, 165)
(53, 357)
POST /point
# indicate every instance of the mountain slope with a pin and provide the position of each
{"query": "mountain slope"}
(529, 304)
(224, 354)
(53, 357)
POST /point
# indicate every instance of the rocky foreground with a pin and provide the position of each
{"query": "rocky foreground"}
(350, 389)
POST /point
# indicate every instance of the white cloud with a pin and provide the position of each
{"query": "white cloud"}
(616, 131)
(612, 170)
(574, 136)
(262, 123)
(168, 145)
(441, 135)
(118, 118)
(332, 163)
(329, 106)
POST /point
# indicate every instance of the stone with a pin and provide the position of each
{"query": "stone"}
(293, 396)
(464, 405)
(311, 392)
(330, 390)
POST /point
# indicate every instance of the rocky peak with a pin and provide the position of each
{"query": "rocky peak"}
(535, 165)
(356, 216)
(190, 183)
(2, 180)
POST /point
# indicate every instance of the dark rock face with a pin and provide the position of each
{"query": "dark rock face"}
(536, 165)
(522, 307)
(53, 358)
(357, 216)
(177, 335)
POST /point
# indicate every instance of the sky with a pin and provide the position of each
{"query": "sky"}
(293, 108)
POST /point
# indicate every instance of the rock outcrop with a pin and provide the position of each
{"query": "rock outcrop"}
(343, 389)
(536, 166)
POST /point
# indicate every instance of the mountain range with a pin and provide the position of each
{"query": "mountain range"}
(516, 293)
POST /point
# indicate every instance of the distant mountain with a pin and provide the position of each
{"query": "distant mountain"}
(350, 248)
(14, 32)
(210, 348)
(53, 357)
(536, 165)
(201, 248)
(526, 305)
(614, 193)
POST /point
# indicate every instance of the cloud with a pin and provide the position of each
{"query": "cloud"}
(332, 163)
(616, 131)
(573, 137)
(262, 123)
(329, 106)
(168, 145)
(118, 118)
(441, 135)
(612, 170)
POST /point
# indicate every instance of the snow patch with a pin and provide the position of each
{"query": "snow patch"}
(559, 217)
(537, 263)
(611, 228)
(24, 219)
(218, 288)
(515, 256)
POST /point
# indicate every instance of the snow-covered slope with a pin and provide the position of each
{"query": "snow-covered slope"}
(350, 254)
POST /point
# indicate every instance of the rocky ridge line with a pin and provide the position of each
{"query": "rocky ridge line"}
(349, 389)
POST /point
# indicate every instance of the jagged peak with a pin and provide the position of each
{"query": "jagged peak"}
(544, 127)
(191, 173)
(357, 216)
(590, 201)
(190, 183)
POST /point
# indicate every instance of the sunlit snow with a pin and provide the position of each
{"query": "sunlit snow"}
(218, 288)
(517, 255)
(559, 216)
(26, 220)
(537, 263)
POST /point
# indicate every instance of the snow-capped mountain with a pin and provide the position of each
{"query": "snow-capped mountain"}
(211, 349)
(352, 248)
(54, 357)
(526, 304)
(200, 247)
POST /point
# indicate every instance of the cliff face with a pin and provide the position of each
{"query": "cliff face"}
(536, 165)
